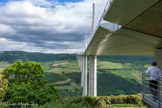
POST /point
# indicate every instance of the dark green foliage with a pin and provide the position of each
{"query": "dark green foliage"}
(122, 99)
(126, 106)
(25, 93)
(3, 87)
(128, 59)
(106, 83)
(64, 84)
(59, 104)
(105, 101)
(75, 77)
(26, 84)
(116, 85)
(12, 56)
(98, 102)
(71, 91)
(24, 72)
(54, 77)
(87, 100)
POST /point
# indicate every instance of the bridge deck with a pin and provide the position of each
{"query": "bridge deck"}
(140, 32)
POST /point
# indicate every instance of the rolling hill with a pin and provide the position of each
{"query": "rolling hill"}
(116, 74)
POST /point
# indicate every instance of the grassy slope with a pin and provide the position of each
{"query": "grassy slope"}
(113, 78)
(123, 71)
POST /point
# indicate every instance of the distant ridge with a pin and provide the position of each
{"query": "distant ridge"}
(12, 56)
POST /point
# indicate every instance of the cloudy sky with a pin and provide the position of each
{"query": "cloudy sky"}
(48, 26)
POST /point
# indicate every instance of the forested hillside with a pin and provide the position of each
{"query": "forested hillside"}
(116, 74)
(12, 56)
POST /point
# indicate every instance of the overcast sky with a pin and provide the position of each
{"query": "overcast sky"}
(48, 26)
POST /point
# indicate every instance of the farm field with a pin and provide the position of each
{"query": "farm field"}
(115, 74)
(113, 80)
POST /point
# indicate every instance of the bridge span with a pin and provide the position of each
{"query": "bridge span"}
(127, 27)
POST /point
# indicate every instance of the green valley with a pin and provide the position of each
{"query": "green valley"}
(116, 74)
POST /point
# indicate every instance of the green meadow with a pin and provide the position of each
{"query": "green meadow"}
(113, 78)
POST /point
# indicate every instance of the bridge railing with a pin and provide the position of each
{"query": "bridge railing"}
(152, 92)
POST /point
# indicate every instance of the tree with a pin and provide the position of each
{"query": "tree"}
(26, 84)
(24, 72)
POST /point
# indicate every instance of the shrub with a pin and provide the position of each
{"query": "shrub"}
(2, 93)
(122, 99)
(103, 101)
(24, 93)
(134, 99)
(87, 100)
(3, 87)
(98, 102)
(58, 104)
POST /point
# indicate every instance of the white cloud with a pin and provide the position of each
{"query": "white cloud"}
(6, 45)
(5, 29)
(37, 24)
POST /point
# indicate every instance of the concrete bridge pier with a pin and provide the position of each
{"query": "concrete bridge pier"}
(78, 57)
(81, 65)
(84, 71)
(158, 56)
(93, 76)
(80, 61)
